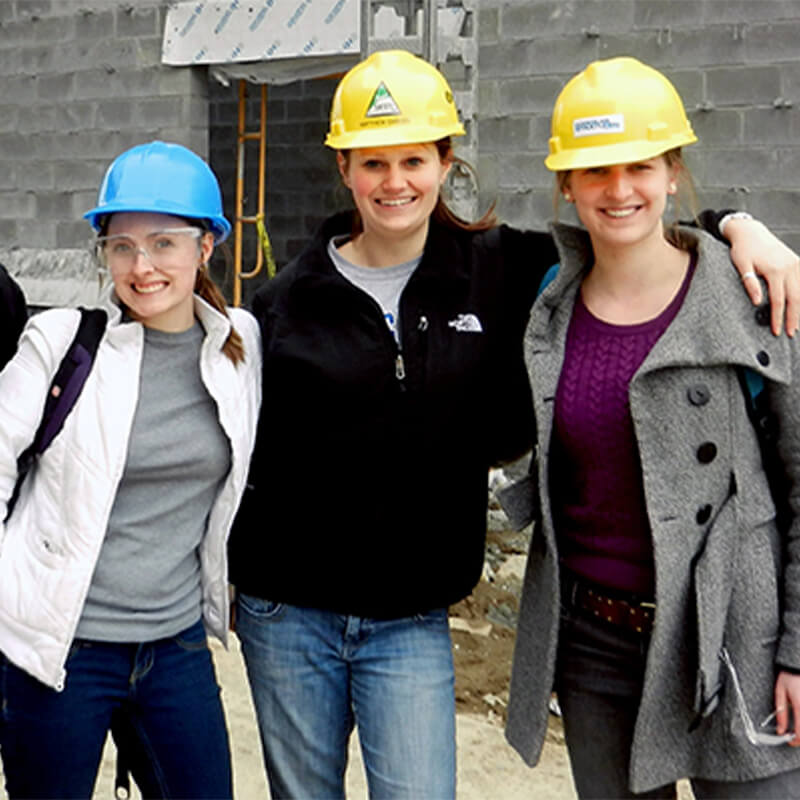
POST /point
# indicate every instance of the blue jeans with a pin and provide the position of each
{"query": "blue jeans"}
(315, 675)
(599, 680)
(164, 695)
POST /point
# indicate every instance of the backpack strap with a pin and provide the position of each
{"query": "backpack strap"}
(548, 277)
(767, 429)
(64, 391)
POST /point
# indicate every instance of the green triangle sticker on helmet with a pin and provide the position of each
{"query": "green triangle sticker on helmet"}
(382, 103)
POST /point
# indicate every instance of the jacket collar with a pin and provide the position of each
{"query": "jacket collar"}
(442, 263)
(716, 325)
(216, 325)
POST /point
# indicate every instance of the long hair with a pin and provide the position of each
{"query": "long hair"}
(205, 287)
(442, 213)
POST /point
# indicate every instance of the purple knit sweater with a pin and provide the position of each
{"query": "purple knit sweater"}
(595, 476)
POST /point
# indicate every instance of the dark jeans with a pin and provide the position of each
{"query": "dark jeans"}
(165, 694)
(599, 681)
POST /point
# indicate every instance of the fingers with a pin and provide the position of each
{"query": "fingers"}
(793, 299)
(752, 287)
(777, 299)
(781, 707)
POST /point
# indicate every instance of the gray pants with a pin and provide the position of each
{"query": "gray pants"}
(599, 683)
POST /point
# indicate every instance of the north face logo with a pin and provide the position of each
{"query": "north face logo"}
(466, 323)
(382, 103)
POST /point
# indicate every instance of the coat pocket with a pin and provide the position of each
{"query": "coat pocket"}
(712, 584)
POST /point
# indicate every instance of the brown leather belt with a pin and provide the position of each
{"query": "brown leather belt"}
(634, 614)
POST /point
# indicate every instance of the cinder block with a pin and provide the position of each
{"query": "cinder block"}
(17, 205)
(551, 20)
(717, 127)
(115, 113)
(502, 60)
(743, 86)
(73, 234)
(521, 171)
(33, 234)
(33, 9)
(772, 126)
(788, 172)
(36, 176)
(132, 21)
(530, 94)
(743, 166)
(562, 57)
(777, 208)
(56, 87)
(8, 232)
(675, 13)
(689, 85)
(75, 116)
(36, 117)
(488, 25)
(15, 147)
(504, 134)
(92, 23)
(746, 11)
(8, 175)
(773, 42)
(56, 205)
(78, 175)
(51, 30)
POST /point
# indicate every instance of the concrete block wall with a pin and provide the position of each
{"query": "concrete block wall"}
(81, 81)
(735, 64)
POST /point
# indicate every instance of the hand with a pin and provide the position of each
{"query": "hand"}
(754, 248)
(787, 695)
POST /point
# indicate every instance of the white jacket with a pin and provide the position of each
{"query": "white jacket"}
(50, 544)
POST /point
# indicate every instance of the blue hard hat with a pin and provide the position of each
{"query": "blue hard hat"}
(162, 178)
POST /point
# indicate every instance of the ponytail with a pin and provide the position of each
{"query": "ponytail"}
(208, 290)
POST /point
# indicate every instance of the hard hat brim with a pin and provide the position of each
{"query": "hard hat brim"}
(389, 135)
(219, 226)
(608, 155)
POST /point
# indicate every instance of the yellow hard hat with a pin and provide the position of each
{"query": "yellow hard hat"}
(616, 112)
(392, 97)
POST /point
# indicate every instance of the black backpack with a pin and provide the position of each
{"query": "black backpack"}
(64, 391)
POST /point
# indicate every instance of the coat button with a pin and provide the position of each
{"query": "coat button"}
(763, 315)
(703, 514)
(707, 452)
(762, 356)
(698, 394)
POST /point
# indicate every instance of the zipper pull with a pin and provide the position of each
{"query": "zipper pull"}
(399, 367)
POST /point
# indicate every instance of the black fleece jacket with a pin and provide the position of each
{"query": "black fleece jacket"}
(13, 315)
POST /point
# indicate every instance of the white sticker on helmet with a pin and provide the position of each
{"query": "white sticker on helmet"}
(592, 126)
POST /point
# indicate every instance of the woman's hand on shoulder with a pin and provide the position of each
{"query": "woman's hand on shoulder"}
(755, 250)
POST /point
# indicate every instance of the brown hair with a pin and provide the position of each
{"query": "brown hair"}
(209, 291)
(442, 213)
(685, 198)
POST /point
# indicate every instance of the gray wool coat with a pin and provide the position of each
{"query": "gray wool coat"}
(724, 578)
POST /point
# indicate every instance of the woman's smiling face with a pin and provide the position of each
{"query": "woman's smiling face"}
(394, 188)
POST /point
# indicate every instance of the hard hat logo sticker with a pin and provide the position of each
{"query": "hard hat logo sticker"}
(382, 103)
(589, 126)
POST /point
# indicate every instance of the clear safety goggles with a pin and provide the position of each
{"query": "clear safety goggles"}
(763, 734)
(164, 248)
